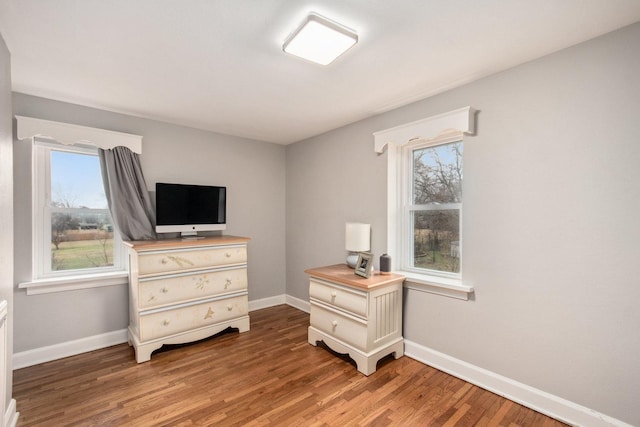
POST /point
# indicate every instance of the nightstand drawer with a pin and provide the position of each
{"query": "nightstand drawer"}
(160, 291)
(348, 299)
(339, 326)
(190, 259)
(168, 322)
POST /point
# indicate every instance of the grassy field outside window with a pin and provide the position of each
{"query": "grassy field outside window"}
(83, 249)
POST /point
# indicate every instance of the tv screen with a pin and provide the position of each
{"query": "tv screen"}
(190, 208)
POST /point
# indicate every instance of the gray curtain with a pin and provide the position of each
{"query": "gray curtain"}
(127, 195)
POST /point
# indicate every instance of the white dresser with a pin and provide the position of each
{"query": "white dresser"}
(356, 316)
(185, 290)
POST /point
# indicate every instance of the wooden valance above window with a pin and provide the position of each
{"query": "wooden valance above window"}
(453, 124)
(68, 134)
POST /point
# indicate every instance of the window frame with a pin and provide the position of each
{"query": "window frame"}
(451, 126)
(41, 220)
(407, 208)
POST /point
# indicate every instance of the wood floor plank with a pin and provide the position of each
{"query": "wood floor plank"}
(265, 377)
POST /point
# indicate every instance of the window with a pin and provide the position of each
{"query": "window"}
(424, 205)
(432, 208)
(73, 231)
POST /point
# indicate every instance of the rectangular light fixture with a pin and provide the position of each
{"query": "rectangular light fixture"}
(320, 40)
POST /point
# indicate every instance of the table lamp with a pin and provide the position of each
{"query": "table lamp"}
(357, 239)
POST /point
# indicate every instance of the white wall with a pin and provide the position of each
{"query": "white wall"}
(551, 231)
(6, 216)
(253, 171)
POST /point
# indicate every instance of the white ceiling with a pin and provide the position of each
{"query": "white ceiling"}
(218, 64)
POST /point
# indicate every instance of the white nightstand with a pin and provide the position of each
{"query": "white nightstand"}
(356, 316)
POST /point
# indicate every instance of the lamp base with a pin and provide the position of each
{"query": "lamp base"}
(352, 259)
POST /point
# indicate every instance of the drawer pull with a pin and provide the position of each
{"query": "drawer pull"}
(165, 322)
(151, 298)
(227, 284)
(165, 290)
(334, 294)
(209, 314)
(229, 307)
(164, 261)
(334, 324)
(227, 254)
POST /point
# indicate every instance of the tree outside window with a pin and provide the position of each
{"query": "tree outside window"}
(436, 203)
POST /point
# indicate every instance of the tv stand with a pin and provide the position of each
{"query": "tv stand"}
(190, 237)
(183, 291)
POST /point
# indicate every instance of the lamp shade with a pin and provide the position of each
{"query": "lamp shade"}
(357, 237)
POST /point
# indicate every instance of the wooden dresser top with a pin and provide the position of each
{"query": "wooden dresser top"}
(341, 273)
(149, 245)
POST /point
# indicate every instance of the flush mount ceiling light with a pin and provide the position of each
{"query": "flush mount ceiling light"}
(320, 40)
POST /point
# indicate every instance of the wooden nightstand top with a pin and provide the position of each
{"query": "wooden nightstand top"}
(341, 273)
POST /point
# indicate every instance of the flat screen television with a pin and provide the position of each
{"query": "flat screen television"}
(188, 209)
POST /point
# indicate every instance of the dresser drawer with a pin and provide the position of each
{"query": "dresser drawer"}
(189, 259)
(351, 300)
(168, 322)
(339, 326)
(160, 291)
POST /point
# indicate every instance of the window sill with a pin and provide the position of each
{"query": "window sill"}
(73, 283)
(452, 288)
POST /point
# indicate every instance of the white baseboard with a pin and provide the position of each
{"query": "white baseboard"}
(69, 348)
(538, 400)
(11, 415)
(298, 303)
(279, 300)
(266, 302)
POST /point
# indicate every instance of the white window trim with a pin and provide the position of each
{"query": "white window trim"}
(68, 134)
(46, 131)
(75, 282)
(435, 130)
(42, 220)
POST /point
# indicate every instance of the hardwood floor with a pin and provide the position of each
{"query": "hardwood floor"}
(267, 376)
